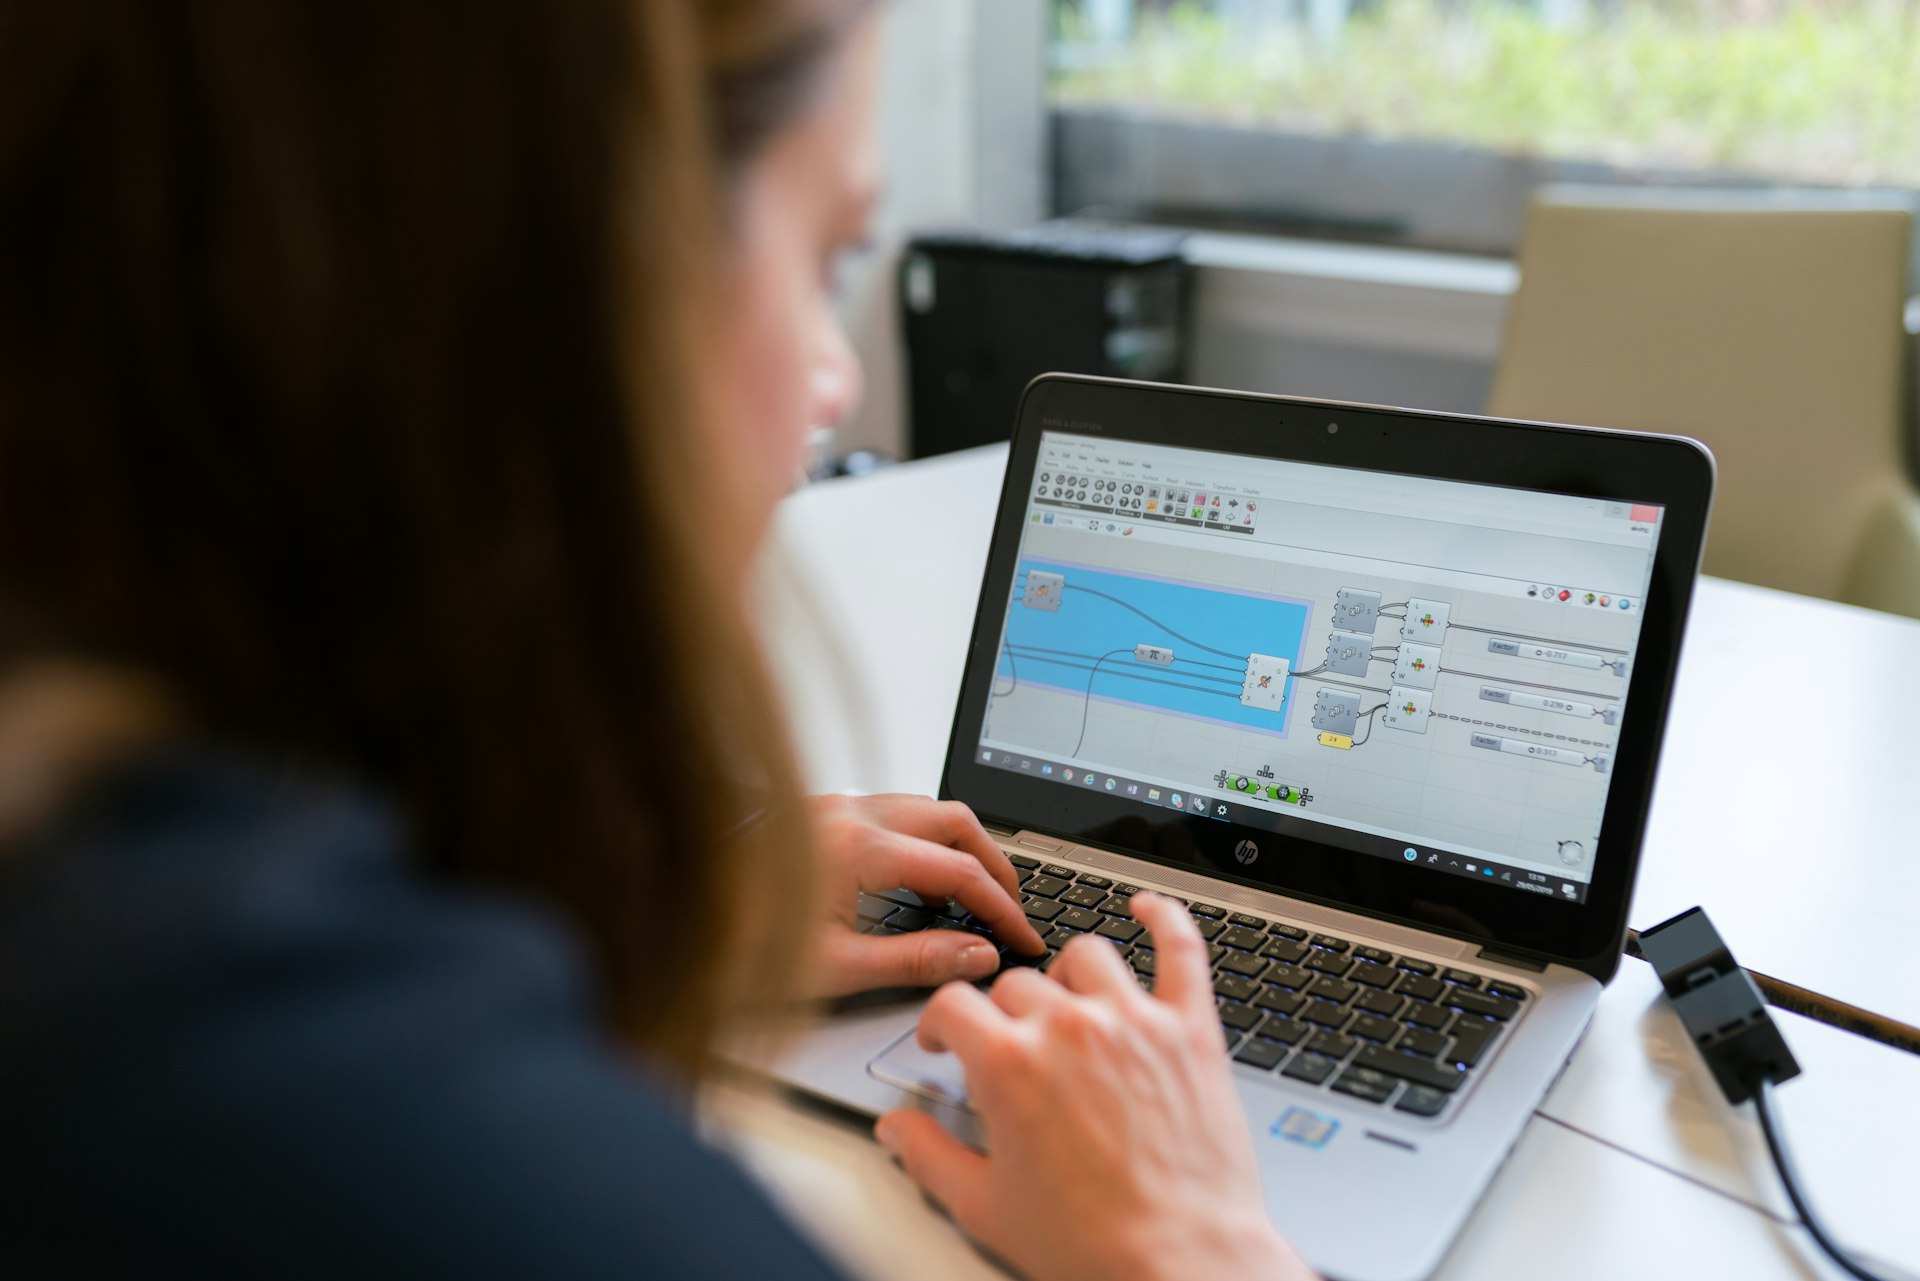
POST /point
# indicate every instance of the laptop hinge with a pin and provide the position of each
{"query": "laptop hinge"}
(1507, 958)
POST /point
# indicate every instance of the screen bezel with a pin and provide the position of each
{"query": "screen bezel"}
(1673, 472)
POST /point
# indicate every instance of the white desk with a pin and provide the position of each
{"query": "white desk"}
(1787, 771)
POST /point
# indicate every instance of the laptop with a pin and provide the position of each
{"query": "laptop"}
(1379, 694)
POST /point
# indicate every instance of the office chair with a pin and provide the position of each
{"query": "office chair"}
(1770, 327)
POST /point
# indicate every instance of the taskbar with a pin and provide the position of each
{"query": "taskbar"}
(1263, 804)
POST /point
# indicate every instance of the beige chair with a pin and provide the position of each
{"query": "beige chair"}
(1772, 332)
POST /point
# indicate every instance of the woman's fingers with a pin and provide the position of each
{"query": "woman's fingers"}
(951, 824)
(953, 1174)
(1181, 974)
(1091, 966)
(963, 1020)
(854, 962)
(1023, 992)
(936, 872)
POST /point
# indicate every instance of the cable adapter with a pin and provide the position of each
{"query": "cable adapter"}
(1725, 1016)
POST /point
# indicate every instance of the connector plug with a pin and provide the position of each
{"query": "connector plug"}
(1724, 1013)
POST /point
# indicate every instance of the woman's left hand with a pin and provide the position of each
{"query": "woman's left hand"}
(938, 850)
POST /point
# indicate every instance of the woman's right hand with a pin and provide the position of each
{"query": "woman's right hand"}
(1117, 1144)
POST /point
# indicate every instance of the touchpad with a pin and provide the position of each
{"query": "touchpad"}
(935, 1076)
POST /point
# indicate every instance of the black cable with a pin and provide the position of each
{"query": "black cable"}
(1790, 1180)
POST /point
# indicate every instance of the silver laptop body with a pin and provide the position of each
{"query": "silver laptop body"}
(1447, 578)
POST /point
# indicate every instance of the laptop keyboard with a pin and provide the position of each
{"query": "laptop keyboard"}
(1320, 1011)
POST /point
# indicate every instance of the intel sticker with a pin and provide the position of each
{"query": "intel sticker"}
(1306, 1127)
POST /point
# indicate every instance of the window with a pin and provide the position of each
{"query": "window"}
(1431, 121)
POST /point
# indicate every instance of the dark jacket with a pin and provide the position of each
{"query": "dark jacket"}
(240, 1037)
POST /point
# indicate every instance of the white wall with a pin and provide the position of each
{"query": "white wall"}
(962, 134)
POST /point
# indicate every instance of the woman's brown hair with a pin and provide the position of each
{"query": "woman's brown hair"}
(350, 383)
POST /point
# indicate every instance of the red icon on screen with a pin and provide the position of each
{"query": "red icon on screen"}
(1566, 595)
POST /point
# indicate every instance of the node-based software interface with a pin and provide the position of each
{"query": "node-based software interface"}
(1430, 670)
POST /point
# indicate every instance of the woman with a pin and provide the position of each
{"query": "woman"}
(392, 398)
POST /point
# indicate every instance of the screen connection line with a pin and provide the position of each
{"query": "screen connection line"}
(1214, 667)
(1086, 704)
(1091, 591)
(1013, 670)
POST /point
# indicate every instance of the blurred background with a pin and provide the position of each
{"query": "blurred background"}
(1333, 198)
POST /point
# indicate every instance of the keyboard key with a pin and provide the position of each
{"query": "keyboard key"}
(1462, 978)
(1247, 922)
(955, 911)
(1214, 954)
(1235, 988)
(1244, 965)
(1241, 1018)
(1098, 882)
(1117, 905)
(1261, 1053)
(1125, 890)
(1422, 1015)
(1330, 963)
(1279, 1027)
(1385, 1004)
(1143, 962)
(1279, 1001)
(1378, 956)
(1479, 1003)
(1083, 896)
(1064, 873)
(1470, 1041)
(904, 897)
(1331, 943)
(1284, 950)
(1420, 989)
(1374, 974)
(1023, 862)
(1362, 1083)
(1374, 1028)
(1209, 930)
(1507, 991)
(1421, 1042)
(1312, 1068)
(1331, 1044)
(1425, 969)
(1208, 910)
(1294, 932)
(909, 919)
(1290, 976)
(1422, 1100)
(1239, 936)
(1079, 918)
(1339, 991)
(1118, 930)
(1041, 909)
(1045, 886)
(1057, 937)
(1408, 1068)
(1325, 1014)
(874, 909)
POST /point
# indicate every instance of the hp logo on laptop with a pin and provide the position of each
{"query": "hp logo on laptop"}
(1246, 851)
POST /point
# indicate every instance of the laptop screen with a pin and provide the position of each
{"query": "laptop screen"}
(1428, 671)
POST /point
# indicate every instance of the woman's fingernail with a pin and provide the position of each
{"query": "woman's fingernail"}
(887, 1134)
(977, 960)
